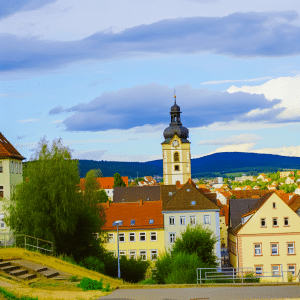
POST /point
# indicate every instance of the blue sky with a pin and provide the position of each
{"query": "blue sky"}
(101, 75)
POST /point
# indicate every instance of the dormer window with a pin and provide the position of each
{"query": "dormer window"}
(193, 202)
(188, 190)
(151, 221)
(132, 222)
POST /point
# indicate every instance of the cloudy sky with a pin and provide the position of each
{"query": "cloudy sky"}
(100, 74)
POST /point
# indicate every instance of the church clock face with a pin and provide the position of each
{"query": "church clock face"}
(175, 143)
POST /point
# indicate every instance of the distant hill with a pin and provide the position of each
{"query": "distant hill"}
(206, 166)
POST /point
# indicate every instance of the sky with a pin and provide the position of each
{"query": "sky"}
(100, 75)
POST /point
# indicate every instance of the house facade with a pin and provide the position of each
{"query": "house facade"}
(11, 174)
(141, 233)
(188, 207)
(267, 239)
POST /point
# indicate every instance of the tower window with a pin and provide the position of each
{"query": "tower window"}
(176, 156)
(176, 168)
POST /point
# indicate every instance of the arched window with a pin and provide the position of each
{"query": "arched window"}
(176, 168)
(176, 156)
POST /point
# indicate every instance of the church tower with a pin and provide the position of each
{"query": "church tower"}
(176, 150)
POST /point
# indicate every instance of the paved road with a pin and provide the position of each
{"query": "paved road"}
(230, 293)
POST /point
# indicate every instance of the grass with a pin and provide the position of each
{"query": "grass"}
(56, 263)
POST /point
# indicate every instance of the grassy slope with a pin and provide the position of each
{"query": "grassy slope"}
(53, 262)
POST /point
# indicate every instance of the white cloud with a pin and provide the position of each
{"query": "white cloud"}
(28, 120)
(235, 80)
(285, 151)
(285, 88)
(245, 138)
(246, 147)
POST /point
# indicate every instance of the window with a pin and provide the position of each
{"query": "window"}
(275, 222)
(206, 219)
(257, 249)
(274, 249)
(132, 254)
(192, 220)
(112, 252)
(16, 168)
(115, 224)
(122, 252)
(188, 190)
(20, 167)
(275, 270)
(12, 167)
(153, 254)
(110, 238)
(1, 191)
(153, 236)
(274, 205)
(172, 237)
(176, 168)
(182, 220)
(132, 222)
(142, 236)
(263, 223)
(292, 268)
(151, 221)
(286, 221)
(172, 220)
(122, 237)
(143, 254)
(291, 248)
(2, 224)
(131, 237)
(258, 270)
(193, 203)
(176, 156)
(170, 193)
(1, 167)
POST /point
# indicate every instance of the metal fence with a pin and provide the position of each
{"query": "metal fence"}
(241, 275)
(25, 241)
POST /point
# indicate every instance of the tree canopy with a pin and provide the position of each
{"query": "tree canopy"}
(49, 206)
(118, 181)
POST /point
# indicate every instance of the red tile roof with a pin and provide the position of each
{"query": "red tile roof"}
(224, 211)
(141, 212)
(104, 182)
(7, 150)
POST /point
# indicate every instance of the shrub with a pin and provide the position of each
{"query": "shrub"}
(70, 259)
(107, 288)
(148, 281)
(92, 263)
(74, 278)
(132, 270)
(11, 296)
(163, 268)
(87, 284)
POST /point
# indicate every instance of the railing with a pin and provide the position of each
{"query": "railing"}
(25, 241)
(241, 275)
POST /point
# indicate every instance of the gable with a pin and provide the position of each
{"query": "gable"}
(188, 198)
(7, 150)
(266, 210)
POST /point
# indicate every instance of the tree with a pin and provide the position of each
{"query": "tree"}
(49, 206)
(98, 172)
(225, 181)
(199, 240)
(118, 181)
(102, 197)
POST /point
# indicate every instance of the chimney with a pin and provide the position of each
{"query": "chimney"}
(141, 201)
(177, 184)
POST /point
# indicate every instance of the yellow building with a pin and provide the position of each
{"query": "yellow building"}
(176, 150)
(141, 233)
(267, 239)
(10, 175)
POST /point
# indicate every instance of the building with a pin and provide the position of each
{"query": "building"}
(264, 235)
(188, 206)
(176, 150)
(10, 174)
(286, 174)
(105, 183)
(141, 233)
(136, 193)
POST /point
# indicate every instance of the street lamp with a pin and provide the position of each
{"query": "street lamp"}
(118, 223)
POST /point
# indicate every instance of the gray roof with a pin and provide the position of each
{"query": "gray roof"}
(136, 193)
(238, 207)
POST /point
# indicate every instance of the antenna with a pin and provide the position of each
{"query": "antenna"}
(175, 95)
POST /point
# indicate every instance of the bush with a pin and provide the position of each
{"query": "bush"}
(89, 284)
(147, 281)
(73, 278)
(11, 296)
(68, 259)
(132, 270)
(92, 263)
(163, 268)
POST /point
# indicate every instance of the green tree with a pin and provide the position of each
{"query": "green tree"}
(98, 173)
(102, 197)
(49, 206)
(198, 240)
(225, 180)
(118, 181)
